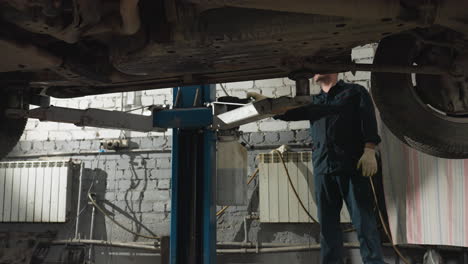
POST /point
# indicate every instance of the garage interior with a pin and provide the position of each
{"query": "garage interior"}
(95, 195)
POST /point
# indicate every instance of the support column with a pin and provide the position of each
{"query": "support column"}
(193, 219)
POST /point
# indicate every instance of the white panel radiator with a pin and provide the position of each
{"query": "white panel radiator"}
(278, 203)
(34, 191)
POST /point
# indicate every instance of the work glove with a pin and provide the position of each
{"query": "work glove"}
(256, 96)
(368, 163)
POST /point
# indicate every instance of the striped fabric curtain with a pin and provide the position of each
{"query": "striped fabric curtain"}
(426, 197)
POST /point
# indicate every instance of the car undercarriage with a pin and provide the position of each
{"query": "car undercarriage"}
(72, 48)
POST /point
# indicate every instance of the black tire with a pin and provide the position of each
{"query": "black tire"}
(402, 110)
(10, 132)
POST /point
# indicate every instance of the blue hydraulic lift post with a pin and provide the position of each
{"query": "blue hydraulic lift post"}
(193, 210)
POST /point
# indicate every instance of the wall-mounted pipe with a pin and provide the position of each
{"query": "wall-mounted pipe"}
(105, 243)
(91, 235)
(78, 205)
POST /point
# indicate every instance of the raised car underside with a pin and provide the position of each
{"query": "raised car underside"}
(69, 48)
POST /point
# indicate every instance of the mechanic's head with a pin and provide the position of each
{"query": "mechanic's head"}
(326, 78)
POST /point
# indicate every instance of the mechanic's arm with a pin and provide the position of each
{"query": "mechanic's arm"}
(296, 114)
(310, 112)
(368, 120)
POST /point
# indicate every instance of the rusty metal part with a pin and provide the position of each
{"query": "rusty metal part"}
(452, 14)
(24, 247)
(128, 24)
(25, 57)
(130, 14)
(302, 81)
(53, 20)
(343, 8)
(446, 94)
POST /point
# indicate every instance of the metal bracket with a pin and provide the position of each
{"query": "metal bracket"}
(256, 111)
(90, 117)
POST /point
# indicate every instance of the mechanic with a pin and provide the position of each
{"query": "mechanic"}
(344, 137)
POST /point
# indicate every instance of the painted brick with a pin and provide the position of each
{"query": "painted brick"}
(159, 195)
(146, 143)
(156, 134)
(146, 207)
(59, 103)
(159, 207)
(136, 134)
(49, 146)
(251, 127)
(38, 146)
(32, 124)
(366, 51)
(268, 92)
(84, 104)
(273, 126)
(36, 135)
(238, 93)
(299, 125)
(286, 137)
(268, 83)
(125, 184)
(160, 142)
(73, 103)
(83, 133)
(358, 76)
(271, 138)
(161, 174)
(163, 163)
(67, 127)
(112, 185)
(151, 184)
(96, 103)
(110, 196)
(147, 100)
(108, 103)
(240, 85)
(164, 184)
(287, 81)
(108, 133)
(283, 91)
(257, 138)
(303, 136)
(60, 135)
(86, 145)
(119, 174)
(25, 146)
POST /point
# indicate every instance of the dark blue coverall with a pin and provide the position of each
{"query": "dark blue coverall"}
(339, 134)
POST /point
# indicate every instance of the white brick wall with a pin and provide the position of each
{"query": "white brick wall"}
(126, 101)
